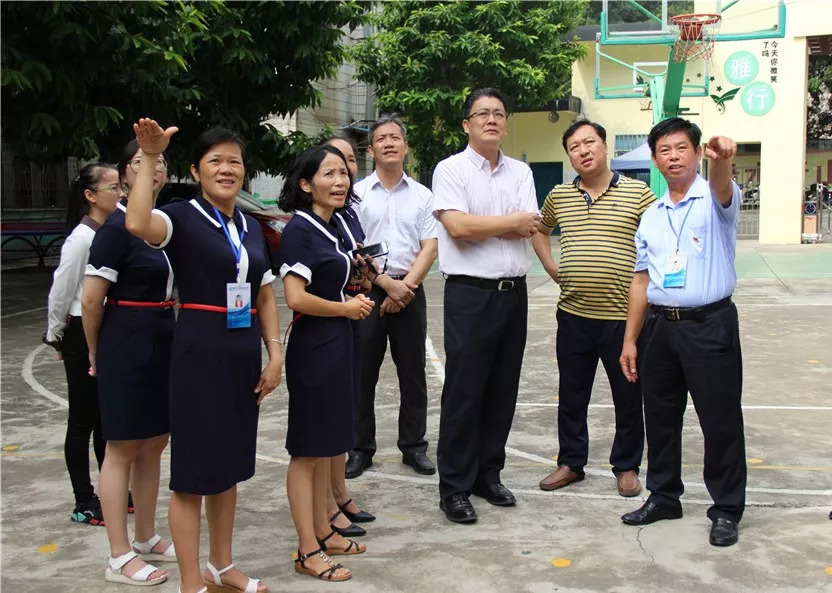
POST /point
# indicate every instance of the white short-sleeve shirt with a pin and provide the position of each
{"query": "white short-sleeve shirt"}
(465, 182)
(402, 217)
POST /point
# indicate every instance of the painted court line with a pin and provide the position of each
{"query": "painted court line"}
(689, 406)
(22, 312)
(440, 371)
(29, 377)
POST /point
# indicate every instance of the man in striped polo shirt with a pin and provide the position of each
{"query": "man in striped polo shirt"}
(598, 214)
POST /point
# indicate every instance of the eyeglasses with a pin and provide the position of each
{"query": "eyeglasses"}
(484, 114)
(161, 165)
(113, 189)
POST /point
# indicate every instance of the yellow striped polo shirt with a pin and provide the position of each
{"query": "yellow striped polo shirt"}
(598, 251)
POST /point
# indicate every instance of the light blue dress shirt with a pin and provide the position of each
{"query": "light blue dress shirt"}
(705, 230)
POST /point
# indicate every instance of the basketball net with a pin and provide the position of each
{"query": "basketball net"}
(696, 36)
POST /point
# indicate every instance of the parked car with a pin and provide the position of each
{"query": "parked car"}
(271, 218)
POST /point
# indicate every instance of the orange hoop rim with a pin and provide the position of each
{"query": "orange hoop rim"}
(695, 19)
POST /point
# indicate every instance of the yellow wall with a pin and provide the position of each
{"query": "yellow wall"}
(781, 133)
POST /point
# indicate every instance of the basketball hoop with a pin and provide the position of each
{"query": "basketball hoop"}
(696, 36)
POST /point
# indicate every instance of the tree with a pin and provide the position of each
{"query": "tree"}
(76, 75)
(427, 56)
(819, 124)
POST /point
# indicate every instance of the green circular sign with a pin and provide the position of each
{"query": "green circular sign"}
(757, 98)
(741, 67)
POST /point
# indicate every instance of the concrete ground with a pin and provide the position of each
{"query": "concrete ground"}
(569, 540)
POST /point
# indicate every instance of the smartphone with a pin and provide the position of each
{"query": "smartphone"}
(376, 250)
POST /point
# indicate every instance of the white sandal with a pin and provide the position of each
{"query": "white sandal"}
(218, 587)
(141, 578)
(146, 553)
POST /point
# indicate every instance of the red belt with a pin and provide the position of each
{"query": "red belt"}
(147, 304)
(211, 308)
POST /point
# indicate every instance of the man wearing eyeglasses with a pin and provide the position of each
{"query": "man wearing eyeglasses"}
(487, 205)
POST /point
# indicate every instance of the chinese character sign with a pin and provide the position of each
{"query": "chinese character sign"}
(757, 98)
(741, 67)
(771, 52)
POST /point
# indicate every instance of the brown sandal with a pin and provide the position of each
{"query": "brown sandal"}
(352, 549)
(326, 574)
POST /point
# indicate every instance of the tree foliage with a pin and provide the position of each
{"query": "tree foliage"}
(427, 56)
(819, 124)
(75, 75)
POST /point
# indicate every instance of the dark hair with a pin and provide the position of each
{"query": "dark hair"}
(77, 205)
(210, 138)
(483, 92)
(349, 141)
(392, 118)
(292, 197)
(127, 154)
(577, 124)
(671, 126)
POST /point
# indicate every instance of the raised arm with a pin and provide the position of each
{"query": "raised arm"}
(721, 151)
(140, 219)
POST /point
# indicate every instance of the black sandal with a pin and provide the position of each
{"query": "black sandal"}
(359, 517)
(352, 530)
(351, 550)
(325, 575)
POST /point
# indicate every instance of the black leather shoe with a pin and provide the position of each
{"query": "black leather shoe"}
(650, 513)
(458, 508)
(496, 494)
(724, 532)
(420, 463)
(357, 462)
(352, 531)
(359, 517)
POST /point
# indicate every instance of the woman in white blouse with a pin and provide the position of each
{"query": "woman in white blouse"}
(94, 195)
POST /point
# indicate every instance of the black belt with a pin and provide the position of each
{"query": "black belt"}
(684, 313)
(499, 284)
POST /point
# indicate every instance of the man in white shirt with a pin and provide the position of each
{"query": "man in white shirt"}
(487, 205)
(397, 210)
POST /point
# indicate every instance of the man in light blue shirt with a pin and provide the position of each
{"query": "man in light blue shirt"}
(684, 278)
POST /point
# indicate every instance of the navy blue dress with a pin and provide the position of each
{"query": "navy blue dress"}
(319, 354)
(214, 370)
(350, 233)
(134, 343)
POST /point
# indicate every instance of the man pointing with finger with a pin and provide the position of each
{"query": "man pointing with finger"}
(487, 205)
(690, 341)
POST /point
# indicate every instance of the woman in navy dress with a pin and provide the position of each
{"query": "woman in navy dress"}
(216, 381)
(130, 344)
(93, 196)
(341, 509)
(319, 359)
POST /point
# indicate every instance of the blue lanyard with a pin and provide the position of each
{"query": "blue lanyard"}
(670, 222)
(237, 250)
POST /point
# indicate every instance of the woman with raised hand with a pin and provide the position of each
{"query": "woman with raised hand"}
(316, 269)
(342, 510)
(217, 381)
(93, 197)
(129, 321)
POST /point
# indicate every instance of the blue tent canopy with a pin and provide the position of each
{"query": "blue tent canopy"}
(637, 159)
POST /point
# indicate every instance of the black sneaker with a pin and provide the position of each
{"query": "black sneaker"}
(131, 508)
(88, 512)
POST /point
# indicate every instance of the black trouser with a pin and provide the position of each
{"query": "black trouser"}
(581, 342)
(406, 331)
(84, 418)
(703, 357)
(485, 337)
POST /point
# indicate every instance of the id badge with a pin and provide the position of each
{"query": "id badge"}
(238, 305)
(675, 270)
